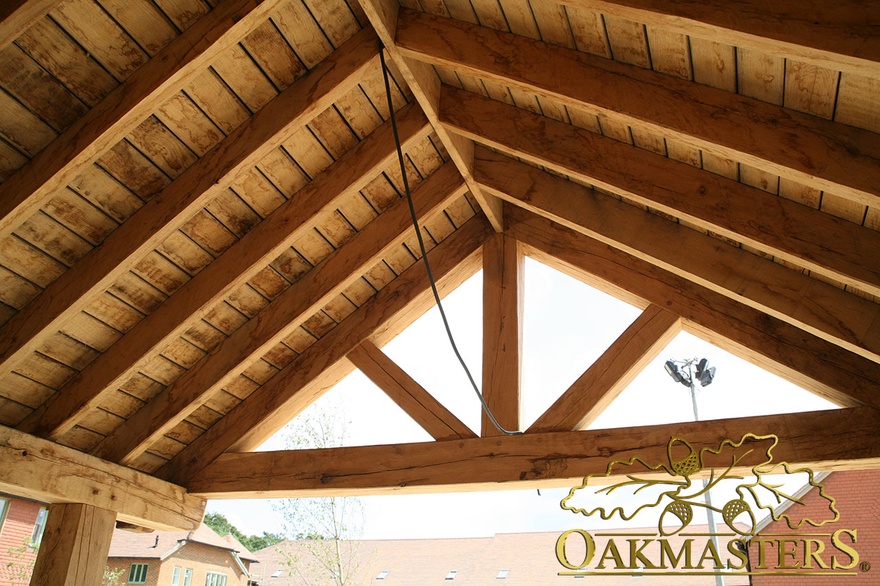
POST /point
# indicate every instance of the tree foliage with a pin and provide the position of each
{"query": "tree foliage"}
(221, 525)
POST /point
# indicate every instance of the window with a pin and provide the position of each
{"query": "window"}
(4, 506)
(187, 576)
(215, 579)
(39, 526)
(452, 574)
(382, 575)
(137, 574)
(502, 574)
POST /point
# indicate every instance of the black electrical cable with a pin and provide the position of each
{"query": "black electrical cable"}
(415, 221)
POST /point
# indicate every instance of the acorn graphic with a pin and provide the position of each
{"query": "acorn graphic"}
(681, 510)
(688, 465)
(735, 508)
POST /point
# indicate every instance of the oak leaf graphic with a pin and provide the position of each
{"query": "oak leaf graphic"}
(682, 493)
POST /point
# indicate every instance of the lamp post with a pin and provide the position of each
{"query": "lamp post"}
(687, 373)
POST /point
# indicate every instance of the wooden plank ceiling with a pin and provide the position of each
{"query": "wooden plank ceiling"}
(202, 228)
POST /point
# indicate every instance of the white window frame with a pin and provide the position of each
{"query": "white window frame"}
(187, 577)
(215, 579)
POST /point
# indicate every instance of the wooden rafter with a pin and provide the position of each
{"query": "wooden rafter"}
(16, 16)
(180, 62)
(606, 378)
(823, 309)
(848, 438)
(837, 35)
(774, 225)
(503, 267)
(234, 267)
(167, 211)
(425, 85)
(809, 149)
(279, 318)
(35, 468)
(409, 395)
(298, 384)
(781, 348)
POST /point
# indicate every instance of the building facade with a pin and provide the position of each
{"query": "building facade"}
(180, 558)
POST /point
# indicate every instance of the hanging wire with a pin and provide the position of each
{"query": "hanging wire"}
(415, 221)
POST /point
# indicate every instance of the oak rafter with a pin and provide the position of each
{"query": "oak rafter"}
(235, 266)
(835, 157)
(774, 225)
(836, 35)
(16, 16)
(279, 318)
(425, 85)
(298, 384)
(823, 309)
(180, 62)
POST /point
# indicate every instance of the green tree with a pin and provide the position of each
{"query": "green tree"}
(221, 526)
(112, 577)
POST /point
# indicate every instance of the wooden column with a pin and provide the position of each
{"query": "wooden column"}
(502, 332)
(75, 545)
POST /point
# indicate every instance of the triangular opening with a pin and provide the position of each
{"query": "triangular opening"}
(423, 350)
(362, 414)
(568, 325)
(739, 389)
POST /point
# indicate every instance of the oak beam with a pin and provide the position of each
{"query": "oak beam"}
(606, 378)
(818, 307)
(279, 318)
(75, 545)
(16, 16)
(298, 384)
(425, 86)
(163, 214)
(834, 35)
(38, 469)
(775, 225)
(822, 440)
(811, 150)
(503, 264)
(409, 395)
(178, 63)
(806, 360)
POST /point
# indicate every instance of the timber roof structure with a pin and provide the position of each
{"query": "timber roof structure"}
(202, 228)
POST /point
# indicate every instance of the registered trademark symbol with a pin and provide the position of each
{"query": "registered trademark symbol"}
(864, 566)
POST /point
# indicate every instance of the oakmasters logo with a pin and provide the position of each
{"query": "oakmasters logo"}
(746, 541)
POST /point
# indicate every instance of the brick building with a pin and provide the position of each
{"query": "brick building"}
(21, 528)
(180, 558)
(857, 496)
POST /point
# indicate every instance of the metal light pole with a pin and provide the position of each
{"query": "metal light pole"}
(705, 374)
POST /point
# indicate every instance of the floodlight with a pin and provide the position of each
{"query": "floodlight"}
(705, 373)
(676, 374)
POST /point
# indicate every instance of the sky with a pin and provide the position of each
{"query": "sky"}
(567, 326)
